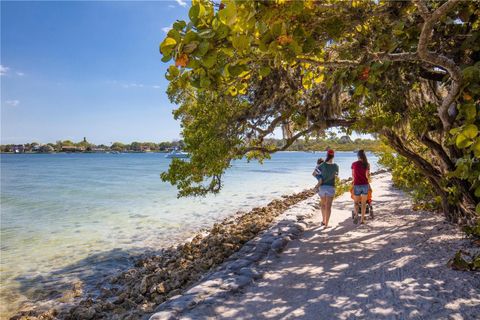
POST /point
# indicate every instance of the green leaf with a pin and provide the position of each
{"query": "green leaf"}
(222, 31)
(228, 51)
(209, 60)
(236, 70)
(240, 42)
(190, 36)
(462, 141)
(204, 82)
(477, 192)
(264, 71)
(172, 73)
(194, 12)
(470, 131)
(174, 34)
(167, 45)
(206, 33)
(476, 148)
(359, 90)
(319, 78)
(190, 47)
(465, 138)
(166, 58)
(470, 111)
(228, 15)
(477, 209)
(295, 47)
(276, 29)
(179, 25)
(202, 48)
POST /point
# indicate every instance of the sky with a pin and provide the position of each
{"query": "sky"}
(75, 69)
(86, 69)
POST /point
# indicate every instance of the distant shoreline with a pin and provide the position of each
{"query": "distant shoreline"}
(120, 152)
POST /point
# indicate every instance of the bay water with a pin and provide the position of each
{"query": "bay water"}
(70, 217)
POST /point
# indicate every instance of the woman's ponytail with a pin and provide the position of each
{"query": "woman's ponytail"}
(362, 156)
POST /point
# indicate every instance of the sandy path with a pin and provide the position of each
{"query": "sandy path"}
(392, 268)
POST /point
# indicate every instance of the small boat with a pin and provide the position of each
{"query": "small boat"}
(177, 154)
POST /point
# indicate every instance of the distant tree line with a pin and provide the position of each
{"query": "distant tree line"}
(85, 146)
(332, 141)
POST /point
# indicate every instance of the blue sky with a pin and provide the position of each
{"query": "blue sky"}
(86, 69)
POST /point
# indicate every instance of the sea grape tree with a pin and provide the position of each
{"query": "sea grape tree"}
(409, 71)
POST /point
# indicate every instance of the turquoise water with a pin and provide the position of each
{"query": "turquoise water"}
(80, 216)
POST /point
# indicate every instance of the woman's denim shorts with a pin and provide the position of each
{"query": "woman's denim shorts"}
(361, 189)
(326, 190)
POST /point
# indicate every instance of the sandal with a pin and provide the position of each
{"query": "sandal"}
(355, 219)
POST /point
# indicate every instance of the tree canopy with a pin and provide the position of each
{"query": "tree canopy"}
(408, 71)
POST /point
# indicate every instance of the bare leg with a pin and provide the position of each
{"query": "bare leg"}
(323, 206)
(328, 210)
(357, 201)
(364, 206)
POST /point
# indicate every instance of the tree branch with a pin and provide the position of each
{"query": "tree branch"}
(439, 59)
(337, 63)
(404, 56)
(288, 142)
(432, 75)
(422, 9)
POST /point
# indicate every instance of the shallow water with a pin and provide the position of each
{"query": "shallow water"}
(81, 216)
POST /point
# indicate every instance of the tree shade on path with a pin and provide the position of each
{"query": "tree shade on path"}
(374, 271)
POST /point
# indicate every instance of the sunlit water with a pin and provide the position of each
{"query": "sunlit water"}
(80, 216)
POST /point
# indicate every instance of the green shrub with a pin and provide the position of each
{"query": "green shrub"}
(407, 177)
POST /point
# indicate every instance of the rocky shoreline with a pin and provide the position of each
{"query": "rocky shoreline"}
(240, 240)
(135, 293)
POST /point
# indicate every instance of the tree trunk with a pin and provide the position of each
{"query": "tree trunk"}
(462, 211)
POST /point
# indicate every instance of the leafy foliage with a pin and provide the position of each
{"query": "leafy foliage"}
(407, 176)
(408, 71)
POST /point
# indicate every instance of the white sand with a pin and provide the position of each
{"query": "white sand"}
(394, 267)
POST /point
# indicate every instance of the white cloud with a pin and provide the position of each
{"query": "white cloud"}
(181, 3)
(3, 70)
(126, 85)
(133, 85)
(20, 74)
(12, 103)
(166, 29)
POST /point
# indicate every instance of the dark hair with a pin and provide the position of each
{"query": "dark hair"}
(320, 160)
(329, 157)
(361, 155)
